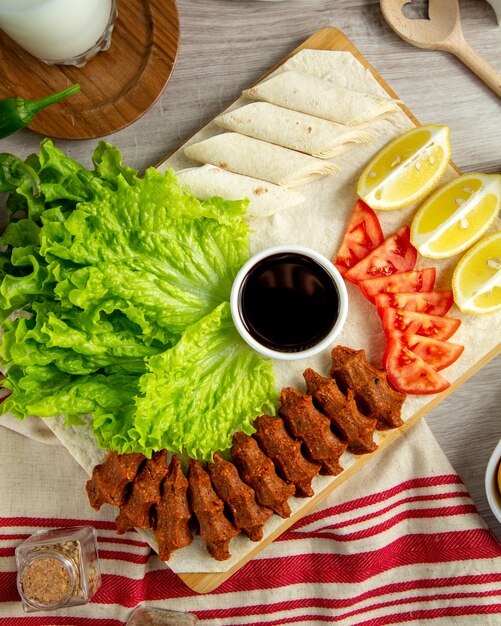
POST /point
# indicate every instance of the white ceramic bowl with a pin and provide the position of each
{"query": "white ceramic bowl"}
(491, 485)
(337, 279)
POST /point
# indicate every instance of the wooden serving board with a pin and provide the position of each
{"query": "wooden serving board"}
(333, 39)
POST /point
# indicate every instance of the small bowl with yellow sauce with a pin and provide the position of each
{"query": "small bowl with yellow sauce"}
(493, 482)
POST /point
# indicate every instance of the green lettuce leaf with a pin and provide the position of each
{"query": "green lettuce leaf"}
(114, 294)
(74, 341)
(213, 379)
(163, 282)
(45, 391)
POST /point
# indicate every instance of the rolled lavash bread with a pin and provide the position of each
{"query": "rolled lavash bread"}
(259, 159)
(292, 129)
(265, 198)
(321, 98)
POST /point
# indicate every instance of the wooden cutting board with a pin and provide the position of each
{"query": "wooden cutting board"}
(332, 39)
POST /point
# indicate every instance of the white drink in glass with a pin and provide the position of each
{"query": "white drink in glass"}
(55, 30)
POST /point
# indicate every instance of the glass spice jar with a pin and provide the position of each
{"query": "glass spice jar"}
(58, 568)
(153, 616)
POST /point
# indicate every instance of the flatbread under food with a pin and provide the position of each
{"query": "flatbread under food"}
(321, 98)
(265, 198)
(259, 159)
(292, 129)
(338, 67)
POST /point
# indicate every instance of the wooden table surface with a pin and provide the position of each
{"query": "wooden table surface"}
(228, 44)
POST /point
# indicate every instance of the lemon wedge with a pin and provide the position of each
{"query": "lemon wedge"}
(456, 215)
(406, 169)
(476, 282)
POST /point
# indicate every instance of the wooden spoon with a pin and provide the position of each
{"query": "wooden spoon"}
(442, 31)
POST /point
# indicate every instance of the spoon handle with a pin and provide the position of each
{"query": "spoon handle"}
(476, 63)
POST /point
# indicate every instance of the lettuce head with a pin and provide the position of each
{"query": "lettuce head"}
(114, 302)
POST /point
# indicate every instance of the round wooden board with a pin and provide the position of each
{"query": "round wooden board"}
(117, 86)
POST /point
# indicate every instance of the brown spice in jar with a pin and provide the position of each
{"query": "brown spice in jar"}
(46, 581)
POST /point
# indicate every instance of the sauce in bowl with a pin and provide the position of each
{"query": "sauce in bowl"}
(288, 302)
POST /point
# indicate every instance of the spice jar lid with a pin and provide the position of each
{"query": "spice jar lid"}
(48, 580)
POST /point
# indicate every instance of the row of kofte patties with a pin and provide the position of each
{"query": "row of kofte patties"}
(226, 497)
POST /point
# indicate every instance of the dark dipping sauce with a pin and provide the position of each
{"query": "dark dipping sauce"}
(288, 302)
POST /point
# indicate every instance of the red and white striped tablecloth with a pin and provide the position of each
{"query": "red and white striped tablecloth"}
(401, 542)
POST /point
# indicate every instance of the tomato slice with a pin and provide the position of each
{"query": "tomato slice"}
(423, 324)
(395, 254)
(403, 282)
(363, 234)
(439, 354)
(431, 302)
(408, 373)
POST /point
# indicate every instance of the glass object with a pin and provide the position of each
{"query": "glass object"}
(292, 278)
(58, 568)
(493, 482)
(59, 32)
(151, 616)
(496, 5)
